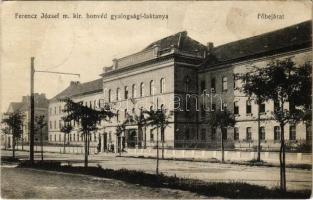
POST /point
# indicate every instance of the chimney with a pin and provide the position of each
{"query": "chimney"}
(114, 63)
(210, 46)
(74, 83)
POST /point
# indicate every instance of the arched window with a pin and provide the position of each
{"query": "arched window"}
(142, 89)
(134, 91)
(151, 87)
(162, 85)
(117, 115)
(110, 95)
(117, 94)
(126, 92)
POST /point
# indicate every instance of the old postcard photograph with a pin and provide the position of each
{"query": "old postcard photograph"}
(156, 99)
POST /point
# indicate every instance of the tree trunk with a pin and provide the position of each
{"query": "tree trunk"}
(157, 166)
(282, 160)
(162, 136)
(86, 150)
(64, 143)
(222, 144)
(259, 136)
(41, 141)
(13, 145)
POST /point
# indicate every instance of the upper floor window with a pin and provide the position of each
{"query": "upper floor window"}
(142, 89)
(236, 133)
(213, 86)
(118, 94)
(125, 113)
(151, 87)
(110, 95)
(248, 107)
(126, 92)
(117, 115)
(55, 110)
(60, 109)
(224, 83)
(236, 108)
(276, 105)
(262, 107)
(203, 134)
(134, 91)
(162, 85)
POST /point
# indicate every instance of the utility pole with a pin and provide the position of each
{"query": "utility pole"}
(32, 106)
(32, 112)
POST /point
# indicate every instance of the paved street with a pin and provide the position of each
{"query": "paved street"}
(267, 176)
(30, 183)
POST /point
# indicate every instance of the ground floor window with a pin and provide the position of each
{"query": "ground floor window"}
(236, 133)
(151, 135)
(292, 132)
(213, 134)
(262, 133)
(308, 132)
(203, 134)
(276, 133)
(249, 134)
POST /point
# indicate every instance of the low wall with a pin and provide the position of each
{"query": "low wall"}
(59, 149)
(271, 157)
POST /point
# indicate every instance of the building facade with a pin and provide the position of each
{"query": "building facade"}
(41, 109)
(174, 73)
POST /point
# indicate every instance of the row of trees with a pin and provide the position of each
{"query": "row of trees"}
(14, 127)
(281, 81)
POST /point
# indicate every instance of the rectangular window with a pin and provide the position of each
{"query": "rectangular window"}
(187, 136)
(249, 134)
(50, 138)
(248, 107)
(236, 108)
(262, 133)
(276, 133)
(262, 108)
(276, 105)
(202, 86)
(213, 107)
(213, 134)
(55, 137)
(55, 124)
(55, 110)
(292, 132)
(203, 134)
(50, 124)
(151, 135)
(60, 138)
(126, 92)
(236, 133)
(213, 87)
(224, 83)
(60, 109)
(308, 130)
(60, 124)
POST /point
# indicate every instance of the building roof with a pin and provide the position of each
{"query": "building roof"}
(14, 106)
(292, 37)
(179, 40)
(77, 88)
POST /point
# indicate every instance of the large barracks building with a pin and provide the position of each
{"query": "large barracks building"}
(173, 73)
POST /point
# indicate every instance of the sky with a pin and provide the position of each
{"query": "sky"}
(85, 46)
